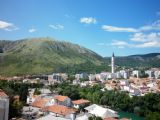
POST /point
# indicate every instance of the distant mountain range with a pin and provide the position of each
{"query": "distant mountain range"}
(145, 60)
(46, 55)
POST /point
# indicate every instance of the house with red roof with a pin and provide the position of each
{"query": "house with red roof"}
(80, 103)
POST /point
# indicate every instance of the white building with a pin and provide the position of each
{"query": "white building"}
(124, 82)
(101, 111)
(4, 106)
(150, 73)
(156, 73)
(92, 77)
(135, 73)
(57, 78)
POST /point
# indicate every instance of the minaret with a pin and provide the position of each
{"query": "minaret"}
(112, 63)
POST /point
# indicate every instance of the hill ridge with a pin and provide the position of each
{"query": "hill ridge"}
(41, 55)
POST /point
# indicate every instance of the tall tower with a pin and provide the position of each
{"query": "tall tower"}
(112, 63)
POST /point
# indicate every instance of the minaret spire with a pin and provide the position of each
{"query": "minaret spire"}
(113, 54)
(112, 63)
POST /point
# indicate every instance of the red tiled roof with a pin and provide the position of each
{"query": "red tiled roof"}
(40, 103)
(80, 101)
(60, 98)
(59, 109)
(3, 94)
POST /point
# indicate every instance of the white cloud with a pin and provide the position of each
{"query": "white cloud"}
(119, 43)
(139, 40)
(141, 37)
(148, 40)
(115, 43)
(88, 20)
(32, 30)
(154, 26)
(149, 44)
(7, 26)
(57, 26)
(117, 29)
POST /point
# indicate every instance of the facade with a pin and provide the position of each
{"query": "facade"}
(135, 73)
(150, 73)
(4, 106)
(57, 78)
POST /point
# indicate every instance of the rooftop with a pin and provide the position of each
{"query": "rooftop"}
(104, 112)
(40, 103)
(61, 98)
(51, 117)
(80, 101)
(2, 93)
(59, 109)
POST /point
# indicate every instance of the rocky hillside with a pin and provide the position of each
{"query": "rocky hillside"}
(43, 55)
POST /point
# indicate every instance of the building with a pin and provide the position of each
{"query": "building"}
(135, 73)
(101, 111)
(112, 63)
(52, 117)
(61, 111)
(150, 73)
(80, 103)
(4, 105)
(57, 78)
(63, 100)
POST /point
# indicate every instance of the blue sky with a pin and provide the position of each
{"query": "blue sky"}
(125, 27)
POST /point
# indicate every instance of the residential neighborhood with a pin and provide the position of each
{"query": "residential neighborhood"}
(47, 104)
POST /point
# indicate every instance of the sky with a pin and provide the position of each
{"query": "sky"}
(125, 27)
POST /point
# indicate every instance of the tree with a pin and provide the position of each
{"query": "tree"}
(23, 92)
(94, 118)
(84, 79)
(153, 116)
(71, 78)
(143, 75)
(15, 108)
(37, 91)
(51, 88)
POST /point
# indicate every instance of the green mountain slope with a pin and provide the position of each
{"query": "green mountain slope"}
(146, 60)
(44, 55)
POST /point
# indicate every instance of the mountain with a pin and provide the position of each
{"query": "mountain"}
(145, 61)
(45, 55)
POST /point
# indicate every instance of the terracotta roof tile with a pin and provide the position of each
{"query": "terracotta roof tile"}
(40, 103)
(80, 101)
(60, 98)
(59, 109)
(3, 94)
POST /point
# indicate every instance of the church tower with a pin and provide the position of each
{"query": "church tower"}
(112, 63)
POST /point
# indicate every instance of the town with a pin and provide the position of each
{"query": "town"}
(47, 103)
(79, 60)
